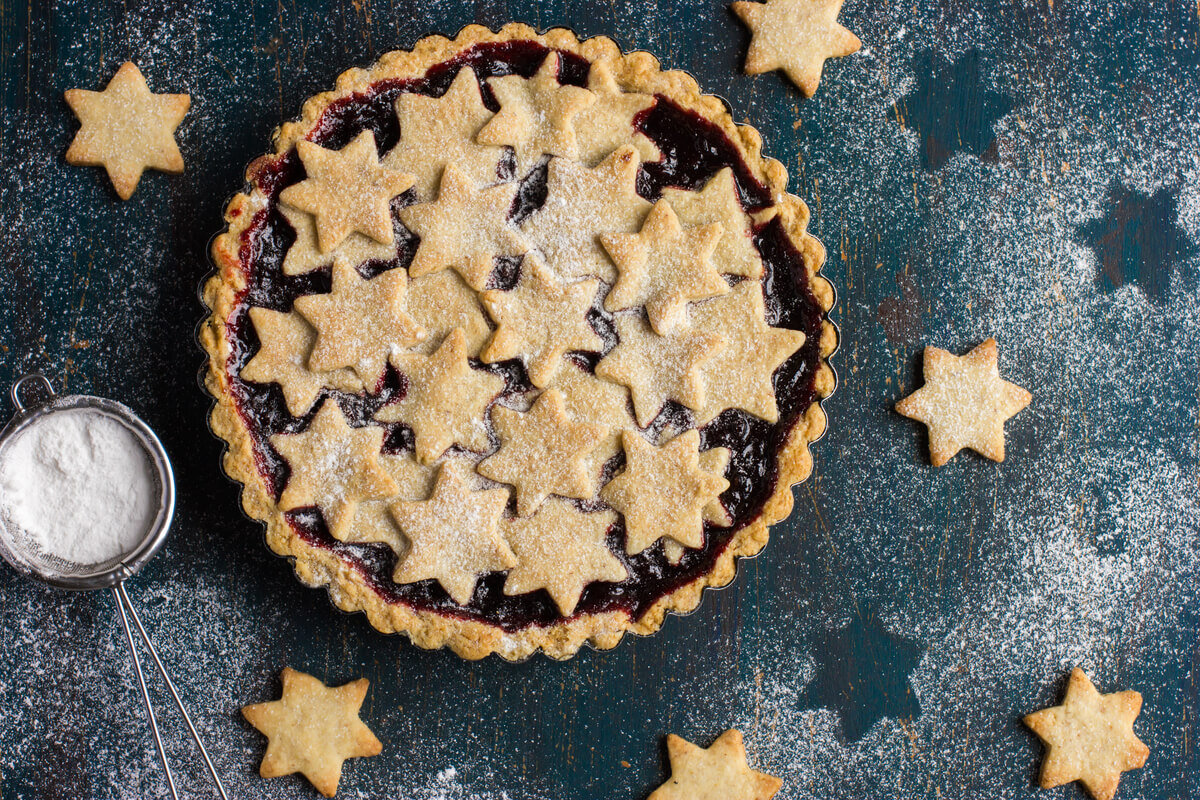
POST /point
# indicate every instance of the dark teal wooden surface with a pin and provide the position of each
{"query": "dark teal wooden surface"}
(1015, 169)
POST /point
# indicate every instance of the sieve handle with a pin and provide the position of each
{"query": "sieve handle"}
(46, 390)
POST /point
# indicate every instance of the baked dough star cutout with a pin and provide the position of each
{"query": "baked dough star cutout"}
(446, 400)
(312, 729)
(795, 36)
(305, 253)
(663, 491)
(127, 129)
(454, 535)
(1089, 738)
(719, 772)
(334, 467)
(347, 190)
(718, 203)
(964, 403)
(604, 126)
(373, 522)
(441, 302)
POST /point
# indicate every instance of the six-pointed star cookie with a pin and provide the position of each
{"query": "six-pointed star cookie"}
(964, 403)
(543, 452)
(441, 302)
(536, 115)
(795, 36)
(454, 535)
(465, 229)
(714, 461)
(437, 131)
(605, 125)
(561, 549)
(718, 203)
(305, 255)
(662, 492)
(333, 467)
(663, 266)
(126, 129)
(347, 190)
(580, 205)
(445, 401)
(312, 729)
(590, 399)
(540, 320)
(717, 773)
(1089, 738)
(359, 322)
(373, 521)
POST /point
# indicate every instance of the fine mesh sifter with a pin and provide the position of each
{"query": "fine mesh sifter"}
(33, 398)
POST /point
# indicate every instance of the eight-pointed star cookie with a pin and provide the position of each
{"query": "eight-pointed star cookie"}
(964, 403)
(465, 229)
(305, 254)
(561, 549)
(454, 535)
(543, 452)
(540, 320)
(312, 729)
(717, 773)
(607, 123)
(446, 400)
(441, 302)
(126, 129)
(1089, 738)
(334, 467)
(373, 521)
(536, 115)
(664, 266)
(347, 190)
(581, 204)
(718, 203)
(795, 36)
(360, 322)
(663, 491)
(437, 131)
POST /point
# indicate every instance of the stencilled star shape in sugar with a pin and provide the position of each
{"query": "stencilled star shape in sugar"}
(360, 322)
(127, 129)
(312, 729)
(465, 229)
(561, 549)
(540, 320)
(454, 536)
(717, 203)
(964, 403)
(664, 266)
(606, 124)
(716, 462)
(741, 375)
(543, 452)
(347, 190)
(305, 255)
(582, 203)
(438, 131)
(1089, 738)
(662, 492)
(446, 401)
(719, 772)
(373, 521)
(285, 341)
(441, 302)
(536, 116)
(600, 402)
(660, 368)
(795, 36)
(333, 467)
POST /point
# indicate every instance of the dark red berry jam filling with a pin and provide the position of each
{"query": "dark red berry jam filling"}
(693, 151)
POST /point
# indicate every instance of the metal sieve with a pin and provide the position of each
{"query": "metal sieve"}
(34, 398)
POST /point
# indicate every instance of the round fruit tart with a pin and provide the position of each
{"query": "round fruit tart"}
(517, 342)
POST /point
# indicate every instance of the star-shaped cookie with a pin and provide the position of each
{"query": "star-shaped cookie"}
(446, 401)
(662, 492)
(604, 403)
(454, 535)
(360, 322)
(1089, 738)
(795, 36)
(714, 461)
(305, 254)
(465, 229)
(717, 773)
(605, 125)
(543, 452)
(312, 729)
(127, 129)
(441, 302)
(333, 467)
(964, 403)
(373, 521)
(536, 115)
(540, 320)
(561, 549)
(663, 267)
(347, 190)
(717, 203)
(581, 204)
